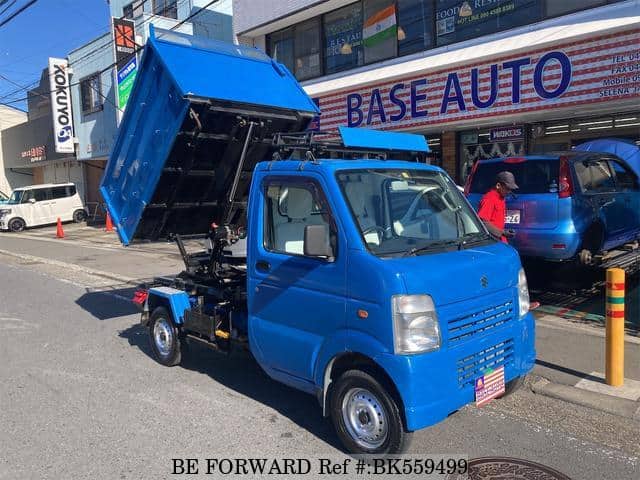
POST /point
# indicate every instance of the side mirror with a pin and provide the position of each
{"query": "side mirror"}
(32, 200)
(316, 242)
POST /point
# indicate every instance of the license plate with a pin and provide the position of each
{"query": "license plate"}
(489, 386)
(512, 216)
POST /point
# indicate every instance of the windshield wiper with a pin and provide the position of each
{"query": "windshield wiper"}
(433, 246)
(471, 239)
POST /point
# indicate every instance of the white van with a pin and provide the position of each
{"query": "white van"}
(41, 205)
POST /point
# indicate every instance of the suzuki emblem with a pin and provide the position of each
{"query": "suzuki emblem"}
(484, 281)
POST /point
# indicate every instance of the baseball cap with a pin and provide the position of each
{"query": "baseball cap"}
(507, 179)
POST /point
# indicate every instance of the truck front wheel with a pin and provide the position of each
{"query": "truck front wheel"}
(366, 418)
(164, 337)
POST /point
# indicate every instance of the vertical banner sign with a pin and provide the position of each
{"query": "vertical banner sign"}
(61, 105)
(126, 61)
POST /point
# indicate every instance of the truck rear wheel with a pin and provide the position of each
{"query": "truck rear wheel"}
(165, 338)
(366, 418)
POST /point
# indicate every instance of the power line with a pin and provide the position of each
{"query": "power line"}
(8, 6)
(17, 12)
(141, 25)
(109, 67)
(13, 92)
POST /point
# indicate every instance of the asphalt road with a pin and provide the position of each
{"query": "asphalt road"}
(81, 397)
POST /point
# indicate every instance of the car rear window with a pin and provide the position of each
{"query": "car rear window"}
(532, 176)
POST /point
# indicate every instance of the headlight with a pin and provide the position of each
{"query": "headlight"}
(523, 293)
(4, 212)
(415, 324)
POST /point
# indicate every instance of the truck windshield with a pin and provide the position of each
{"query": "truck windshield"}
(407, 212)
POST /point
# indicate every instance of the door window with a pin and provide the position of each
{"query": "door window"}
(595, 176)
(625, 178)
(289, 208)
(39, 195)
(59, 192)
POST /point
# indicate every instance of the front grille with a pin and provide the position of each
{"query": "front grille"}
(473, 366)
(465, 327)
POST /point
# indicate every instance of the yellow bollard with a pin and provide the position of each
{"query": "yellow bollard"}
(614, 366)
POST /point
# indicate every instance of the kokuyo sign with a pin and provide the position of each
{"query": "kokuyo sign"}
(605, 68)
(61, 105)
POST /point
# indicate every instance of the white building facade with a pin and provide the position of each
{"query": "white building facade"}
(479, 78)
(8, 118)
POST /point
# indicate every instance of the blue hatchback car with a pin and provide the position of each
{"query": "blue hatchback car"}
(569, 206)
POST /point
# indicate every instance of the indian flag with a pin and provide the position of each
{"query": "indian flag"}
(379, 26)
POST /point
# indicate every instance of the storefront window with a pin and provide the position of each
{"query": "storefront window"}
(281, 47)
(561, 135)
(343, 38)
(379, 30)
(415, 20)
(307, 48)
(434, 157)
(476, 145)
(555, 8)
(457, 21)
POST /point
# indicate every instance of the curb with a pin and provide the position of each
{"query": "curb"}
(72, 266)
(621, 407)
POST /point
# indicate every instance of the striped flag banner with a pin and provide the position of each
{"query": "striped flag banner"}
(379, 26)
(489, 386)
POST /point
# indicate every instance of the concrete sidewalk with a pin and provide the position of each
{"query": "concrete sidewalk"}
(570, 353)
(570, 366)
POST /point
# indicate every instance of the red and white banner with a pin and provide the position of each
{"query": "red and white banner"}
(601, 69)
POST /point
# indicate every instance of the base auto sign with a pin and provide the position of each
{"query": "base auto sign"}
(605, 68)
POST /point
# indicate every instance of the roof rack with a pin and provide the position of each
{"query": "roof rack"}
(351, 143)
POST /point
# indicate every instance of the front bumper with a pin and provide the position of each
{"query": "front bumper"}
(435, 384)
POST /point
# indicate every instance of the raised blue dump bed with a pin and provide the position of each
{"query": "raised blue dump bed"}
(182, 135)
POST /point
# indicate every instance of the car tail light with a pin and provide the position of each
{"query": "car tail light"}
(467, 184)
(565, 184)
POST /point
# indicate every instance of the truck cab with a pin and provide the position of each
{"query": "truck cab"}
(349, 269)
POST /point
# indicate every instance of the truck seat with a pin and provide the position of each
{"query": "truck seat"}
(358, 200)
(289, 236)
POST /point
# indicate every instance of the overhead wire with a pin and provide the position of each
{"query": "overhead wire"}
(110, 41)
(8, 6)
(109, 67)
(17, 12)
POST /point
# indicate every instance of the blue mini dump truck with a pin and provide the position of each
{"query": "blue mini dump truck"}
(350, 269)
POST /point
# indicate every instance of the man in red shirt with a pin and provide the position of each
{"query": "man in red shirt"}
(493, 207)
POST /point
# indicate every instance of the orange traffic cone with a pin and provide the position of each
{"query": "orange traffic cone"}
(109, 226)
(59, 230)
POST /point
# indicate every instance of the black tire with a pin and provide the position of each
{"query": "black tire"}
(165, 339)
(512, 386)
(16, 225)
(591, 245)
(368, 398)
(79, 216)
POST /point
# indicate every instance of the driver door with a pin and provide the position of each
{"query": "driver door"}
(296, 302)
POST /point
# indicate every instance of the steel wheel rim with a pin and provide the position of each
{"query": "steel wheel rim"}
(365, 418)
(163, 336)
